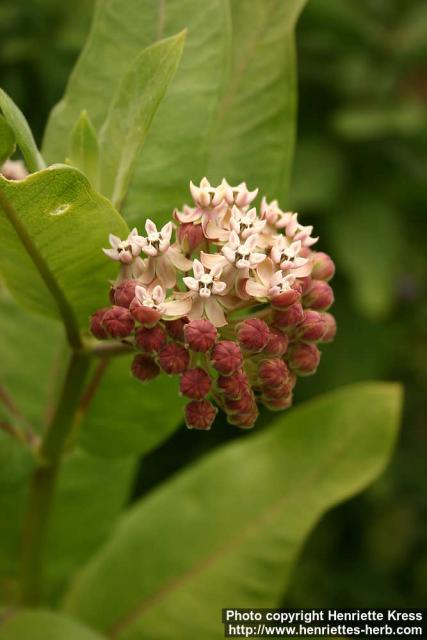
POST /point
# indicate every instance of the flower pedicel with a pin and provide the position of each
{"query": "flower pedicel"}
(235, 306)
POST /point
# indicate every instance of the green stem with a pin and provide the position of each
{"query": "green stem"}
(44, 480)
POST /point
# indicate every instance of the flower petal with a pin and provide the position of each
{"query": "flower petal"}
(215, 312)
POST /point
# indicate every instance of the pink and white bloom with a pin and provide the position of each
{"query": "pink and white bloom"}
(238, 195)
(269, 283)
(164, 259)
(205, 290)
(242, 255)
(156, 299)
(286, 255)
(206, 196)
(124, 251)
(246, 223)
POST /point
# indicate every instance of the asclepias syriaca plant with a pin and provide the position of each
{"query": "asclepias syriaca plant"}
(219, 306)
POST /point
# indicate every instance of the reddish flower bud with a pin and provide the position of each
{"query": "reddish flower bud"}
(96, 324)
(286, 298)
(174, 358)
(272, 393)
(190, 236)
(234, 385)
(200, 335)
(244, 420)
(253, 334)
(124, 293)
(200, 414)
(305, 284)
(175, 328)
(277, 343)
(313, 326)
(272, 372)
(226, 357)
(118, 322)
(145, 315)
(323, 266)
(289, 317)
(144, 368)
(331, 327)
(319, 296)
(245, 404)
(277, 404)
(195, 383)
(303, 358)
(150, 339)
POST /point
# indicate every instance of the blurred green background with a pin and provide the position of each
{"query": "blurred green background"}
(360, 176)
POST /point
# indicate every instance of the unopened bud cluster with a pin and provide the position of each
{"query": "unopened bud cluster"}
(236, 305)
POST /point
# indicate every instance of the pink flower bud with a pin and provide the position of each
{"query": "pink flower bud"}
(235, 385)
(319, 295)
(200, 414)
(272, 372)
(96, 324)
(124, 293)
(195, 383)
(289, 317)
(305, 284)
(245, 404)
(175, 328)
(253, 334)
(145, 315)
(226, 357)
(144, 368)
(323, 266)
(150, 339)
(272, 393)
(200, 335)
(277, 343)
(331, 327)
(278, 404)
(286, 298)
(118, 322)
(174, 358)
(243, 420)
(304, 358)
(313, 326)
(190, 236)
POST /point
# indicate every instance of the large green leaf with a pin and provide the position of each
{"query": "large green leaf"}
(22, 131)
(255, 128)
(84, 149)
(127, 417)
(227, 531)
(52, 229)
(44, 625)
(132, 111)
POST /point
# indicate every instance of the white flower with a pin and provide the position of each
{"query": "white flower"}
(204, 291)
(269, 283)
(156, 241)
(242, 254)
(124, 251)
(286, 255)
(205, 195)
(156, 299)
(245, 223)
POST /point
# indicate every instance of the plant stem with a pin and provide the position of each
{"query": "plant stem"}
(44, 480)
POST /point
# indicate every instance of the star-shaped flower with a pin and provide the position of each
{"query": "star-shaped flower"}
(124, 251)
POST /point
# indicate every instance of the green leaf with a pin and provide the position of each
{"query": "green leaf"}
(132, 111)
(7, 140)
(228, 530)
(44, 625)
(22, 131)
(84, 149)
(51, 234)
(127, 417)
(255, 128)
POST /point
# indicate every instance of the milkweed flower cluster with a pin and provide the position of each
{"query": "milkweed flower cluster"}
(232, 300)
